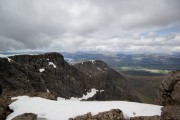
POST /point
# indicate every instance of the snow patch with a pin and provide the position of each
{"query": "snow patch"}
(41, 70)
(48, 90)
(69, 60)
(64, 109)
(85, 97)
(99, 68)
(93, 61)
(51, 63)
(101, 90)
(5, 56)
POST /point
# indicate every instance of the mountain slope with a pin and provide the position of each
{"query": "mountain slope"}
(49, 72)
(42, 72)
(115, 85)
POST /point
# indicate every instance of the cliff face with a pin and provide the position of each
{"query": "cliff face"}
(113, 84)
(49, 72)
(41, 73)
(169, 91)
(169, 96)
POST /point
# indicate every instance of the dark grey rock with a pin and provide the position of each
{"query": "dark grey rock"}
(146, 118)
(65, 80)
(114, 114)
(1, 111)
(114, 84)
(169, 96)
(171, 112)
(168, 93)
(26, 116)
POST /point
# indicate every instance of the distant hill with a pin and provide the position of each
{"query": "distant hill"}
(151, 61)
(145, 87)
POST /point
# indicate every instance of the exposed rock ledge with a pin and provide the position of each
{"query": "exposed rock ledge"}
(169, 96)
(26, 116)
(114, 114)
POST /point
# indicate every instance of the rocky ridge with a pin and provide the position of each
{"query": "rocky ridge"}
(24, 73)
(49, 72)
(107, 79)
(114, 114)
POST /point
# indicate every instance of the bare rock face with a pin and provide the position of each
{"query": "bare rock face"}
(146, 118)
(114, 114)
(42, 73)
(113, 84)
(26, 116)
(49, 72)
(169, 90)
(169, 96)
(171, 112)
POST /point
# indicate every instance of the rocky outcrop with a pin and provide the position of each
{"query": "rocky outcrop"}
(146, 118)
(113, 84)
(169, 96)
(169, 90)
(114, 114)
(171, 112)
(26, 116)
(39, 73)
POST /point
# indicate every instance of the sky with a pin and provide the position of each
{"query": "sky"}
(137, 26)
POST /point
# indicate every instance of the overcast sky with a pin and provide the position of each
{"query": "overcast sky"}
(90, 25)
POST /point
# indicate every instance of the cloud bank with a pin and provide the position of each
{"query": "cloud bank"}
(90, 25)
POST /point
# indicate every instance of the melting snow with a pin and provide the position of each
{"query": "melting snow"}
(51, 63)
(64, 109)
(41, 70)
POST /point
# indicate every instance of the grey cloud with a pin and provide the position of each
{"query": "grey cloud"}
(88, 24)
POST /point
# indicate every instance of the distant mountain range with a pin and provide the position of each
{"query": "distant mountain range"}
(152, 61)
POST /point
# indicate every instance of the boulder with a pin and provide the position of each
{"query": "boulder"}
(114, 114)
(146, 118)
(169, 96)
(171, 112)
(26, 116)
(169, 90)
